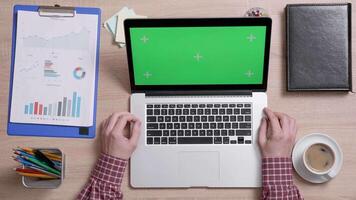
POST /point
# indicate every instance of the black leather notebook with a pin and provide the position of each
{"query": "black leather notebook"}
(318, 47)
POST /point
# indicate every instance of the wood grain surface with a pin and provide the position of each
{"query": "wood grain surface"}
(333, 113)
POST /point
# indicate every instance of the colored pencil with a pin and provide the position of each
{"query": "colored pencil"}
(26, 170)
(45, 152)
(27, 164)
(22, 161)
(40, 156)
(21, 153)
(43, 171)
(39, 163)
(36, 175)
(59, 164)
(35, 170)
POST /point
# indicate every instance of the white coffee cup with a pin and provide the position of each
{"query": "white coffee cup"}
(326, 155)
(301, 166)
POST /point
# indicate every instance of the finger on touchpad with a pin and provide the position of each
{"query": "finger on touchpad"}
(199, 168)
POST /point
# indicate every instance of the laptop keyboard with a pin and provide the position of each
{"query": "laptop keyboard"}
(221, 123)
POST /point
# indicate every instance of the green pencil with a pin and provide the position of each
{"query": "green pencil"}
(39, 163)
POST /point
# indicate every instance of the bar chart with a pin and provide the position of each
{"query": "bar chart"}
(66, 107)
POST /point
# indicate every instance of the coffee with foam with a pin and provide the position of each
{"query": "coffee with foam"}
(319, 157)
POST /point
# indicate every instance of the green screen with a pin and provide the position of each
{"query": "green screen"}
(198, 55)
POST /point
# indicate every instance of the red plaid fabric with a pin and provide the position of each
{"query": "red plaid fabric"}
(105, 179)
(277, 180)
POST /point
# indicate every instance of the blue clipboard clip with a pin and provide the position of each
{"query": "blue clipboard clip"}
(44, 130)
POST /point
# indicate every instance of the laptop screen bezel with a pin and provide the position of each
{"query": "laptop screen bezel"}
(197, 22)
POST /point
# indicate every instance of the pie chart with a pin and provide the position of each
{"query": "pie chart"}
(78, 73)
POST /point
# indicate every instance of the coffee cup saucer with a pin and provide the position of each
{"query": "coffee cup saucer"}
(303, 144)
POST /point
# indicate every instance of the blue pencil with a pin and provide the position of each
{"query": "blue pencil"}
(22, 161)
(23, 153)
(27, 163)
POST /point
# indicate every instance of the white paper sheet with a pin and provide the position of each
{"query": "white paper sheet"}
(54, 72)
(115, 24)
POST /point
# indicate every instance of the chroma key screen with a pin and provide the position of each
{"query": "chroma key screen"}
(198, 55)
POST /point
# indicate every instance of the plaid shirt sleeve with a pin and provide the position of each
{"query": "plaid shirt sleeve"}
(105, 179)
(277, 180)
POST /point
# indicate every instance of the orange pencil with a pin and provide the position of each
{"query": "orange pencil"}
(36, 175)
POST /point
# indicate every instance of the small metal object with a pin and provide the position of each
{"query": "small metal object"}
(56, 11)
(256, 12)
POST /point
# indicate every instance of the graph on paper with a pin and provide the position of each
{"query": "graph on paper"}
(73, 40)
(66, 107)
(54, 71)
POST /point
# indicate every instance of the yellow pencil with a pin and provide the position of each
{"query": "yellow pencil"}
(50, 154)
(27, 149)
(52, 157)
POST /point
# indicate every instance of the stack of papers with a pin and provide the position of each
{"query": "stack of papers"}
(115, 24)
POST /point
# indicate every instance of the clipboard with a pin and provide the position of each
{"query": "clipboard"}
(45, 130)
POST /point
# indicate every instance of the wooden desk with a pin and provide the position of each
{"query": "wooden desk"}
(330, 112)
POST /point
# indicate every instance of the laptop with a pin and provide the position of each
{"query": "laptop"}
(199, 87)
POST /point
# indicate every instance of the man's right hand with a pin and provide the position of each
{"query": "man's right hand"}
(117, 139)
(277, 134)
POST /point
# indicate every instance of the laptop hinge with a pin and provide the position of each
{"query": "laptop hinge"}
(200, 93)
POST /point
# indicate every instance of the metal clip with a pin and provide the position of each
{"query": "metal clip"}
(56, 11)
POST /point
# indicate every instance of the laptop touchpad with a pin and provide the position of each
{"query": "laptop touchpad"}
(199, 168)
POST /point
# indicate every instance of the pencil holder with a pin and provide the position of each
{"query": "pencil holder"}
(30, 182)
